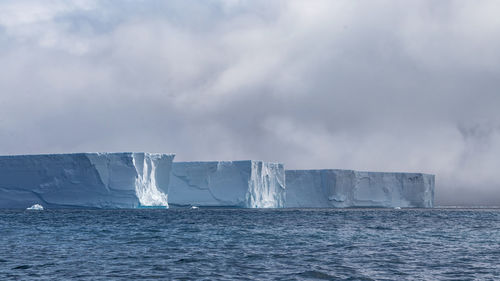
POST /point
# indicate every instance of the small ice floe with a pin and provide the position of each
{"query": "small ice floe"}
(397, 208)
(194, 208)
(36, 207)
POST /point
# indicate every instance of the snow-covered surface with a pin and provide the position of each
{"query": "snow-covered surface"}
(36, 207)
(347, 188)
(95, 180)
(247, 184)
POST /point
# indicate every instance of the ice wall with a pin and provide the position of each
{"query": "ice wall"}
(153, 174)
(346, 188)
(130, 180)
(247, 184)
(87, 180)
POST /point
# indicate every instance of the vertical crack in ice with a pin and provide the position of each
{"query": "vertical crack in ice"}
(145, 184)
(265, 189)
(101, 162)
(220, 166)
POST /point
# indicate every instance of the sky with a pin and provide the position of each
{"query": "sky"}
(405, 86)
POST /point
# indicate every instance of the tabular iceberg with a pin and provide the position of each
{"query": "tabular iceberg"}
(132, 180)
(247, 184)
(347, 188)
(95, 180)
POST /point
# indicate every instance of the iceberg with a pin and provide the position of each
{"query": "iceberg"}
(153, 180)
(36, 207)
(244, 184)
(347, 188)
(85, 180)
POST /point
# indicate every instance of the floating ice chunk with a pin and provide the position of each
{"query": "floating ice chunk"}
(36, 207)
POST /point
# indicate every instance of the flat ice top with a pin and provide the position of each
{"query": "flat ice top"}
(355, 171)
(86, 153)
(225, 161)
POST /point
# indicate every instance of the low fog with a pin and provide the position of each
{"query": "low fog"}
(367, 85)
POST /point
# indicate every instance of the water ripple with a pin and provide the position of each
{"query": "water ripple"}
(229, 244)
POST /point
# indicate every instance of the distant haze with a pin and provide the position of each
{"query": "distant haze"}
(367, 85)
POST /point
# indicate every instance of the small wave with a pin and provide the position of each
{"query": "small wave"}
(378, 227)
(187, 260)
(24, 266)
(316, 275)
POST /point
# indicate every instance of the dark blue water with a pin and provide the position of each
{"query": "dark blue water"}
(228, 244)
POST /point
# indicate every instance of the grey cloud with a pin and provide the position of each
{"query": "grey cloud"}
(381, 85)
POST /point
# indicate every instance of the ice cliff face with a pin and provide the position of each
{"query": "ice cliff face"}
(95, 180)
(346, 188)
(248, 184)
(153, 173)
(131, 180)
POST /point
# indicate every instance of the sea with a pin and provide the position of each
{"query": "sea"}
(251, 244)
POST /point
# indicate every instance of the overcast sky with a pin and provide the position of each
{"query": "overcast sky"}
(367, 85)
